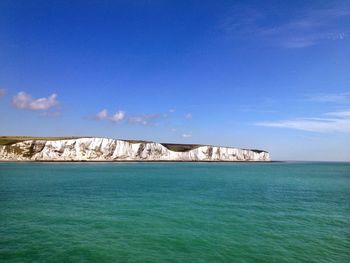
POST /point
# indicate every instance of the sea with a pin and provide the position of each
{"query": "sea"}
(175, 212)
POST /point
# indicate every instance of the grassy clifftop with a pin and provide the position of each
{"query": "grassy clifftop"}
(8, 140)
(180, 147)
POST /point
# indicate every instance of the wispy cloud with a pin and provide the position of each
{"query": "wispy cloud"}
(188, 116)
(345, 114)
(186, 135)
(3, 92)
(145, 119)
(116, 117)
(301, 30)
(25, 101)
(50, 114)
(336, 122)
(340, 97)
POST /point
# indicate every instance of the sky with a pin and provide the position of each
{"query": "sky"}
(272, 75)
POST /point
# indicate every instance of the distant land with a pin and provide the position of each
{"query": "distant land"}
(76, 149)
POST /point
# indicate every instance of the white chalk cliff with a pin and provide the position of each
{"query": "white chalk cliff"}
(103, 149)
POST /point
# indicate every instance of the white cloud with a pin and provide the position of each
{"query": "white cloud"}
(144, 119)
(3, 92)
(116, 117)
(339, 122)
(188, 116)
(102, 115)
(25, 101)
(172, 110)
(186, 135)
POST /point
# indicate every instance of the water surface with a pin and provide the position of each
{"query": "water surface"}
(174, 212)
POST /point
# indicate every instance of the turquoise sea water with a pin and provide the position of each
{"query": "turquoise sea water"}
(174, 212)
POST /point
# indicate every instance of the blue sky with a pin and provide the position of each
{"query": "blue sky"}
(273, 75)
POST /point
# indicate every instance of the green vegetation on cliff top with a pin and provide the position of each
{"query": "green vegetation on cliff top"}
(8, 140)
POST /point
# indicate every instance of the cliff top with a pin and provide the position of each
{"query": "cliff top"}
(8, 140)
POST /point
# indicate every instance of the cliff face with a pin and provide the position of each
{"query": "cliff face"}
(102, 149)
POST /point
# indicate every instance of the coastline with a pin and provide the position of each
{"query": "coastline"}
(113, 150)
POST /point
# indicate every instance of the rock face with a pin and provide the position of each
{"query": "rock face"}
(103, 149)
